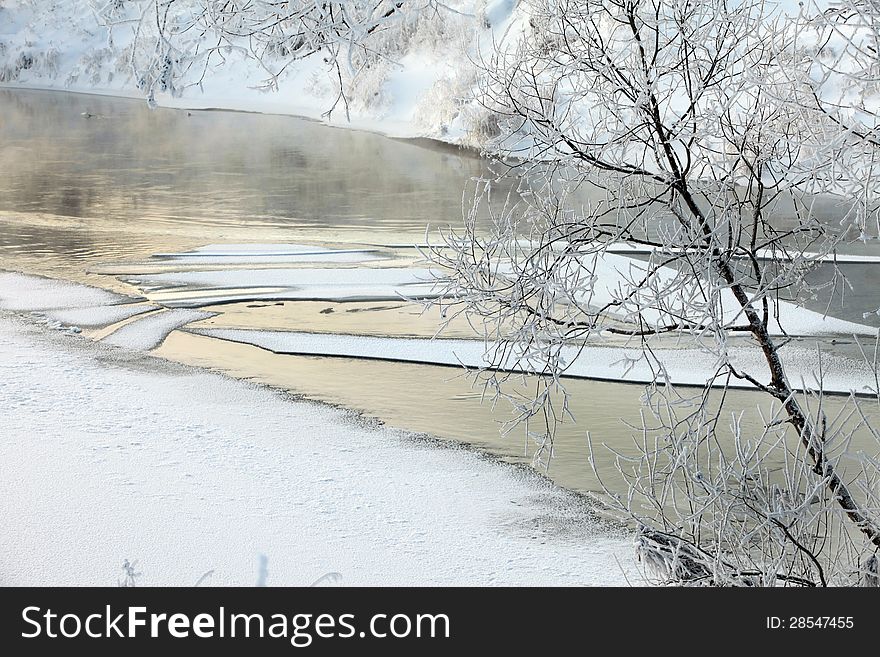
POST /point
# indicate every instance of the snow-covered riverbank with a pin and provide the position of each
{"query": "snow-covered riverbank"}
(109, 454)
(414, 82)
(414, 75)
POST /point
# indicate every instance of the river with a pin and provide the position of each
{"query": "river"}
(91, 184)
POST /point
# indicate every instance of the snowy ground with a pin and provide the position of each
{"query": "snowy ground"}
(107, 454)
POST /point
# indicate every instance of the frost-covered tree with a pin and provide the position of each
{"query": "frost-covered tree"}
(839, 42)
(689, 132)
(177, 42)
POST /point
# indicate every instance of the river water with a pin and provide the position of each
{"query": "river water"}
(92, 183)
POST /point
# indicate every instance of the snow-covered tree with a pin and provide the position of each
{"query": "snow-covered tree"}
(178, 42)
(687, 131)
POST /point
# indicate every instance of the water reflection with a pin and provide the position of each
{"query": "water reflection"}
(129, 181)
(443, 401)
(128, 164)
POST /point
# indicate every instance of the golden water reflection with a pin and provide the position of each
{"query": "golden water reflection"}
(444, 402)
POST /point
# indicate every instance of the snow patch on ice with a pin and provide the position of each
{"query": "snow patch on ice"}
(65, 305)
(149, 332)
(612, 273)
(616, 272)
(24, 292)
(97, 316)
(625, 248)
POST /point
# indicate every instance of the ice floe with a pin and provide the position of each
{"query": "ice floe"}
(626, 248)
(690, 366)
(181, 292)
(200, 288)
(615, 276)
(95, 316)
(232, 254)
(66, 306)
(611, 274)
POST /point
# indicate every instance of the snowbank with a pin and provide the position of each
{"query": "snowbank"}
(189, 472)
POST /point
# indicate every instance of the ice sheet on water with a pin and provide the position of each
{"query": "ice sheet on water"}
(331, 294)
(242, 278)
(683, 366)
(234, 259)
(627, 248)
(614, 273)
(233, 254)
(325, 284)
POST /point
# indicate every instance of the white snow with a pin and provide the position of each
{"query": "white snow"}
(624, 248)
(683, 366)
(149, 332)
(421, 83)
(616, 274)
(95, 316)
(200, 288)
(189, 472)
(414, 88)
(23, 292)
(300, 277)
(67, 305)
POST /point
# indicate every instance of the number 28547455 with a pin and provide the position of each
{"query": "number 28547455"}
(809, 622)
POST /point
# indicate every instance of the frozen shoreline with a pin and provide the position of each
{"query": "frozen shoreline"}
(110, 454)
